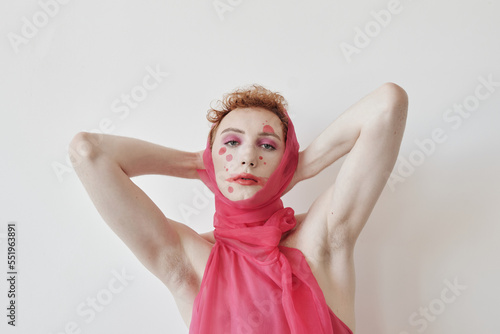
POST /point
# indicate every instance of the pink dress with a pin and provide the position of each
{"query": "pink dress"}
(251, 284)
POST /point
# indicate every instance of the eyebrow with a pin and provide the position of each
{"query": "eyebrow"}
(271, 134)
(233, 130)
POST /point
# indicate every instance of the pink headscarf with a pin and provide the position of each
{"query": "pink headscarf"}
(251, 284)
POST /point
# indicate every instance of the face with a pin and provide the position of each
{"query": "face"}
(247, 148)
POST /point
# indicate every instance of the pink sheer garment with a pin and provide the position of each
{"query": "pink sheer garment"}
(250, 283)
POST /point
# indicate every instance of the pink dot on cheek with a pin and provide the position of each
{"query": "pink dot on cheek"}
(229, 157)
(222, 150)
(230, 189)
(261, 158)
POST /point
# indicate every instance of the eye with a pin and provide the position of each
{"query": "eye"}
(268, 147)
(231, 143)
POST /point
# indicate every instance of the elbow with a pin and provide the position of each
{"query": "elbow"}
(392, 111)
(83, 147)
(395, 103)
(395, 98)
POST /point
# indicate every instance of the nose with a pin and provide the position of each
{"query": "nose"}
(248, 158)
(249, 163)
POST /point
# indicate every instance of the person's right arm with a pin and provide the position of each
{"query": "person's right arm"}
(136, 157)
(105, 164)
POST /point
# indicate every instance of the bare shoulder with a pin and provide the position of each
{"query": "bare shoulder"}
(208, 236)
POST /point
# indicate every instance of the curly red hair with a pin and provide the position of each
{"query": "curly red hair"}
(254, 96)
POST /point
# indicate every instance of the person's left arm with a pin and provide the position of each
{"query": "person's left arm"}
(370, 132)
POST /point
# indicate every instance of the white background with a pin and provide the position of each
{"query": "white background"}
(439, 221)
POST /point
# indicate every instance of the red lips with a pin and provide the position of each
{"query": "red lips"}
(246, 179)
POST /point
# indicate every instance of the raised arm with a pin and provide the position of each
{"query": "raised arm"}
(105, 164)
(341, 135)
(135, 157)
(371, 132)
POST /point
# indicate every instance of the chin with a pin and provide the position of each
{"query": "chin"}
(242, 194)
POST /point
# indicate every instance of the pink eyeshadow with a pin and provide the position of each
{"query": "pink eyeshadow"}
(268, 141)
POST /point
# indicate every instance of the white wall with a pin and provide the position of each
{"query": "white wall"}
(437, 220)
